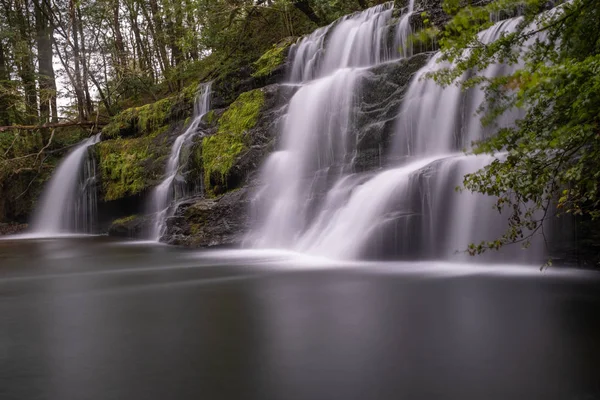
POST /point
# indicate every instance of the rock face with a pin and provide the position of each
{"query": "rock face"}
(135, 226)
(137, 143)
(211, 222)
(223, 219)
(382, 94)
(220, 217)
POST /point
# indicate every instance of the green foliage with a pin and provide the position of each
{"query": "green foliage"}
(272, 58)
(220, 151)
(552, 155)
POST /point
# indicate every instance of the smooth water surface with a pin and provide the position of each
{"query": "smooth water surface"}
(91, 318)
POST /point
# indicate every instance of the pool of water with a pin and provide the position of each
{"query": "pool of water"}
(94, 318)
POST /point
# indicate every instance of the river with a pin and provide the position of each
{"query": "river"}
(94, 318)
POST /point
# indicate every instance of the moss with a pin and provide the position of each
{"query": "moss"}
(220, 151)
(195, 229)
(189, 93)
(211, 117)
(153, 116)
(272, 58)
(125, 220)
(122, 166)
(139, 121)
(120, 124)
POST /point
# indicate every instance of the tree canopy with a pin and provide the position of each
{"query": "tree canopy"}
(89, 59)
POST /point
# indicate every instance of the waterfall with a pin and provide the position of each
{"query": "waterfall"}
(68, 203)
(310, 198)
(317, 144)
(174, 187)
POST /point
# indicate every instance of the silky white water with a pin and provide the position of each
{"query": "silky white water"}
(68, 203)
(173, 187)
(317, 142)
(312, 200)
(403, 43)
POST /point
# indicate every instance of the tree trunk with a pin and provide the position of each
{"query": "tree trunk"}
(144, 59)
(4, 116)
(47, 82)
(84, 61)
(25, 61)
(306, 9)
(158, 34)
(103, 97)
(191, 22)
(174, 27)
(119, 43)
(77, 63)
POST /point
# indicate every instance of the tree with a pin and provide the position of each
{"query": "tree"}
(552, 161)
(47, 82)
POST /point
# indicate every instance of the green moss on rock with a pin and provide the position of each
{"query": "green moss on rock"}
(138, 121)
(123, 165)
(125, 220)
(211, 117)
(272, 58)
(220, 151)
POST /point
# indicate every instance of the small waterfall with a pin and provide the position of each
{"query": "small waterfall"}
(402, 44)
(68, 204)
(357, 40)
(174, 187)
(312, 201)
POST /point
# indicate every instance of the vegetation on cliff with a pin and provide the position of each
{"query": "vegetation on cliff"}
(130, 166)
(272, 58)
(220, 151)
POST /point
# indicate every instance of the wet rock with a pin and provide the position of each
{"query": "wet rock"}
(210, 222)
(382, 93)
(134, 226)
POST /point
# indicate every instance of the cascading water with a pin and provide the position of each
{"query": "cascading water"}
(404, 31)
(312, 201)
(317, 144)
(68, 204)
(173, 187)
